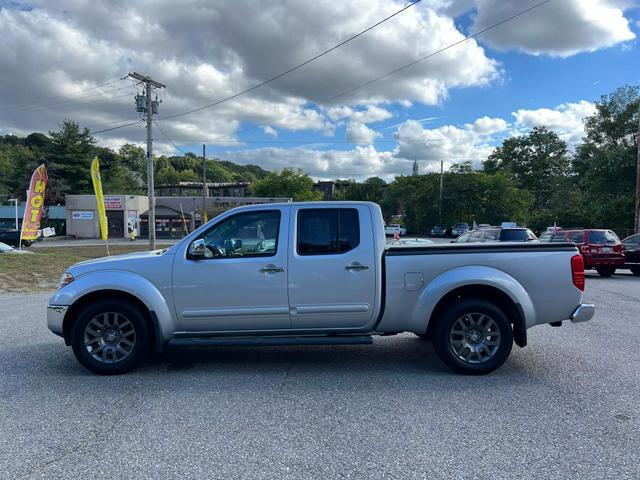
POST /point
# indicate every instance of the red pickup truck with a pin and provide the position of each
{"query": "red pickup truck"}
(600, 249)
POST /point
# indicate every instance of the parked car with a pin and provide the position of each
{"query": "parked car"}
(632, 253)
(497, 234)
(459, 228)
(601, 249)
(391, 230)
(11, 236)
(4, 248)
(326, 277)
(439, 230)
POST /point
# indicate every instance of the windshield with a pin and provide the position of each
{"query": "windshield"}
(603, 237)
(462, 225)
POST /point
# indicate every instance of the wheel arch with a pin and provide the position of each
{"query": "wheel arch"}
(82, 302)
(118, 284)
(511, 309)
(475, 281)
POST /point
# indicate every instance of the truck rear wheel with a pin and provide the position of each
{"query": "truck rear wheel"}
(110, 337)
(606, 271)
(473, 337)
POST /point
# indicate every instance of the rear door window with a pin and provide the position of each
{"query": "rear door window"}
(327, 231)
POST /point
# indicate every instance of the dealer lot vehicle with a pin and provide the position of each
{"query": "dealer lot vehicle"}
(459, 228)
(632, 253)
(11, 236)
(394, 228)
(497, 234)
(315, 273)
(601, 249)
(439, 230)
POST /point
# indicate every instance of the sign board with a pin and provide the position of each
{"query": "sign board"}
(114, 203)
(82, 215)
(48, 232)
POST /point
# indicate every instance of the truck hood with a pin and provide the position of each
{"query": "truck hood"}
(128, 261)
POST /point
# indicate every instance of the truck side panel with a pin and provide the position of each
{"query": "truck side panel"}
(538, 280)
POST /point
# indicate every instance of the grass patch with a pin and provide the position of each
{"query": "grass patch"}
(42, 270)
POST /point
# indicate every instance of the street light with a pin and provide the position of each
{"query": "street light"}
(16, 202)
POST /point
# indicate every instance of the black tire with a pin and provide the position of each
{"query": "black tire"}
(444, 333)
(635, 270)
(606, 271)
(137, 353)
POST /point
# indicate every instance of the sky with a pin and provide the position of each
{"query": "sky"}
(66, 60)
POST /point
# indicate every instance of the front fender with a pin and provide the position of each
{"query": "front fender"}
(470, 275)
(122, 281)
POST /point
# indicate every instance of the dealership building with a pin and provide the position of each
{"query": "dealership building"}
(126, 214)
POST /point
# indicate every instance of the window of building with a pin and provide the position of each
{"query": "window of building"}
(327, 231)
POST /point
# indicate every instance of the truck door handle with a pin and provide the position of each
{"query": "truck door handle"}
(357, 266)
(271, 269)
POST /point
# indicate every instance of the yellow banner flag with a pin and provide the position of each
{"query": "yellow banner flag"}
(97, 186)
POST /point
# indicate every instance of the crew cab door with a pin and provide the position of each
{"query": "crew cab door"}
(241, 283)
(332, 267)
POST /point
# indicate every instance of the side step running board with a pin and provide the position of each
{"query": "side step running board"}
(271, 341)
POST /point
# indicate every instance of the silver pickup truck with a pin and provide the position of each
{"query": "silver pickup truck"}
(314, 274)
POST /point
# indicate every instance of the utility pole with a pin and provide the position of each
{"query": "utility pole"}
(16, 202)
(440, 202)
(636, 225)
(204, 182)
(149, 108)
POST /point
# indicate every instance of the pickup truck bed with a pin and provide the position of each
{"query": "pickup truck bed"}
(314, 273)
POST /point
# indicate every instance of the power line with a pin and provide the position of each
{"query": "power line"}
(47, 99)
(166, 137)
(392, 72)
(48, 106)
(115, 128)
(286, 72)
(374, 80)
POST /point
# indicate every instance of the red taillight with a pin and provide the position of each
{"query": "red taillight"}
(577, 271)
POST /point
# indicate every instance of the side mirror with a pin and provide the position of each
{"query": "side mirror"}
(196, 249)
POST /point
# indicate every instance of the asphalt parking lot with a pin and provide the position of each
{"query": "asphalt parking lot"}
(567, 406)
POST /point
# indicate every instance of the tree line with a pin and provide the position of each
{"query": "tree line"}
(533, 179)
(67, 154)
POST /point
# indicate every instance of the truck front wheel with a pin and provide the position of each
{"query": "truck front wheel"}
(110, 337)
(473, 336)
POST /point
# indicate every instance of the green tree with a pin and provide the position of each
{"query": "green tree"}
(70, 156)
(371, 190)
(287, 183)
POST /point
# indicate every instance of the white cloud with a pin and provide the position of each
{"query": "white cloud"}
(360, 134)
(559, 28)
(370, 114)
(567, 119)
(211, 50)
(473, 142)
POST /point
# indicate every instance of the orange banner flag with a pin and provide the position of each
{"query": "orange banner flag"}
(35, 204)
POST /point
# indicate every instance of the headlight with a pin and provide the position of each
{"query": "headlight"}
(66, 279)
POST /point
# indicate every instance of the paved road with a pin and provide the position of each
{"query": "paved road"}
(564, 407)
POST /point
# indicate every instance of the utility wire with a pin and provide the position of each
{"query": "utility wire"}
(167, 137)
(71, 100)
(115, 128)
(47, 99)
(286, 72)
(392, 72)
(369, 82)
